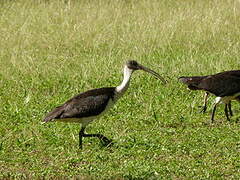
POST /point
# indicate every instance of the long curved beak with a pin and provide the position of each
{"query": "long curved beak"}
(153, 73)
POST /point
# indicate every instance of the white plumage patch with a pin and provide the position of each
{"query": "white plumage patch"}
(226, 99)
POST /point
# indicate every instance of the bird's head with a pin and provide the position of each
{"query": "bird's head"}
(192, 81)
(134, 65)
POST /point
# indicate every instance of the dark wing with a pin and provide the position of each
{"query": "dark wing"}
(54, 114)
(235, 73)
(89, 103)
(224, 85)
(85, 107)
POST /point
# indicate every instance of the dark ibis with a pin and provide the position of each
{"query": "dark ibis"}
(224, 85)
(92, 104)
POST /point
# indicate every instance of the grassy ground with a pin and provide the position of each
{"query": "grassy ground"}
(52, 50)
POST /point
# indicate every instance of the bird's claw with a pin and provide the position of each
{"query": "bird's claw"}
(203, 109)
(106, 142)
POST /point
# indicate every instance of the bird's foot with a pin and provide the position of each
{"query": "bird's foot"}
(203, 109)
(106, 142)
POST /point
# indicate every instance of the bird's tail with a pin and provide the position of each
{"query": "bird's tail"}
(54, 114)
(192, 82)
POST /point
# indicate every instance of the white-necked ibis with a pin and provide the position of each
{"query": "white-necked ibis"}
(90, 105)
(225, 85)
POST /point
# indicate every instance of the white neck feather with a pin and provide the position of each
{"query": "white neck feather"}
(121, 89)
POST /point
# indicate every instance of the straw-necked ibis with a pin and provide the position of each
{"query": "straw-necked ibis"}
(90, 105)
(224, 85)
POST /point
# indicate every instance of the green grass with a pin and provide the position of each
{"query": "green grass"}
(52, 50)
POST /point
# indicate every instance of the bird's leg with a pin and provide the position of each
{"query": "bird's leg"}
(230, 108)
(204, 108)
(226, 111)
(81, 135)
(101, 137)
(217, 101)
(213, 112)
